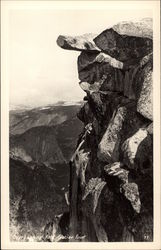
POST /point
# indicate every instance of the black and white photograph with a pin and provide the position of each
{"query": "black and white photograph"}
(78, 100)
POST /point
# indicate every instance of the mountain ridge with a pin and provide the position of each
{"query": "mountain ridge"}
(40, 150)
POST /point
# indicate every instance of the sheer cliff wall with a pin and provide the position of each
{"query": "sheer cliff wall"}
(111, 171)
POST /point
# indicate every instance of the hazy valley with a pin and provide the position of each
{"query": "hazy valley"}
(41, 144)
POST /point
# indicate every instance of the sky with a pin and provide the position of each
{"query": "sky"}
(40, 72)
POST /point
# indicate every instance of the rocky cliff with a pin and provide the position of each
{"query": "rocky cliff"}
(111, 171)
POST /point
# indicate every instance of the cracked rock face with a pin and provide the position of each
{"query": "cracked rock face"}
(111, 171)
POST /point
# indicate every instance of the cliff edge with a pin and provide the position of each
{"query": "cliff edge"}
(111, 171)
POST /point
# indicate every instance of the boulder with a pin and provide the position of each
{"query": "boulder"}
(129, 190)
(123, 47)
(94, 187)
(130, 148)
(108, 149)
(87, 58)
(90, 88)
(141, 28)
(78, 43)
(131, 193)
(115, 169)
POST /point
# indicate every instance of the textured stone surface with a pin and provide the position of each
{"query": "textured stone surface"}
(94, 187)
(90, 88)
(108, 149)
(94, 73)
(145, 101)
(123, 47)
(115, 169)
(111, 184)
(84, 42)
(130, 147)
(131, 192)
(141, 28)
(86, 59)
(85, 114)
(150, 128)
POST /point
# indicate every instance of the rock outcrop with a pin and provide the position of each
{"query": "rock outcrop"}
(111, 171)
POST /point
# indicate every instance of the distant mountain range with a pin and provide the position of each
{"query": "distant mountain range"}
(42, 141)
(46, 134)
(59, 103)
